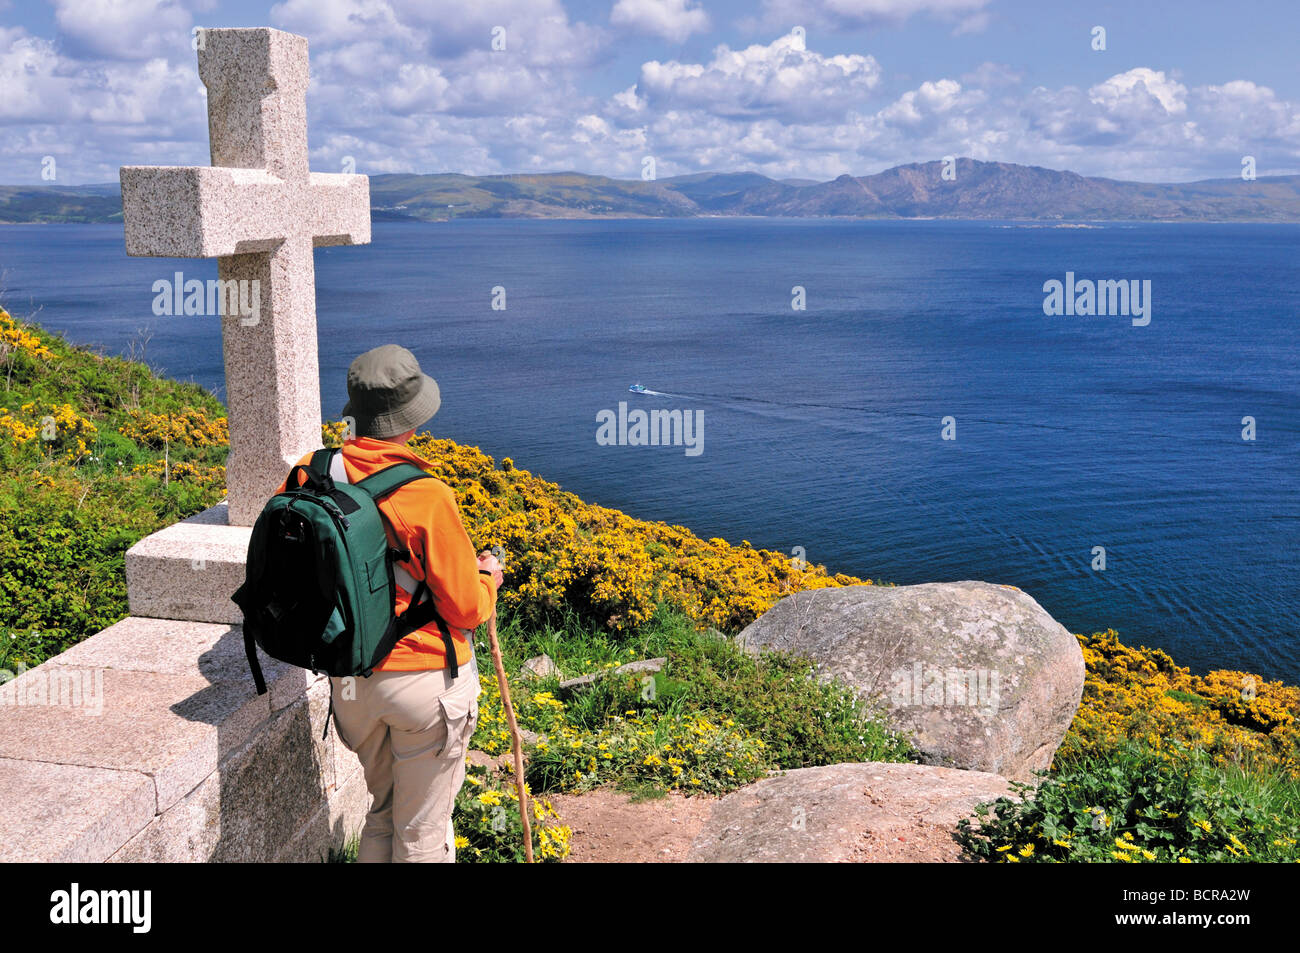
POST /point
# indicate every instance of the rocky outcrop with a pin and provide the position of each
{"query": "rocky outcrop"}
(846, 813)
(979, 675)
(642, 667)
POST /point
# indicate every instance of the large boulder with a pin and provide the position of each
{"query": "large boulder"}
(847, 813)
(979, 675)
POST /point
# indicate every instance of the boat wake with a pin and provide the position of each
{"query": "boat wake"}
(765, 406)
(638, 389)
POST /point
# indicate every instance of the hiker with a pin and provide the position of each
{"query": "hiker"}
(410, 721)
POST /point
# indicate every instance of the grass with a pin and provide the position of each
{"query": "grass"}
(639, 793)
(1188, 697)
(346, 853)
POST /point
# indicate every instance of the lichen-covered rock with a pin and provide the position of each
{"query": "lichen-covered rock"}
(539, 666)
(846, 813)
(979, 675)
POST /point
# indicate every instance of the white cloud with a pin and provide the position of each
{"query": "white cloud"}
(413, 85)
(673, 20)
(536, 32)
(916, 105)
(628, 101)
(124, 29)
(418, 89)
(43, 86)
(93, 116)
(332, 22)
(1242, 117)
(33, 91)
(1133, 93)
(733, 113)
(779, 79)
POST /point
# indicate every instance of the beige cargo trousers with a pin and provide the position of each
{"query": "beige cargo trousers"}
(411, 731)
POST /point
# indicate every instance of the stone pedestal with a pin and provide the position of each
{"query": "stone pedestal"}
(189, 570)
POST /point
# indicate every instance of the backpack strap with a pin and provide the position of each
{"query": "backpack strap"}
(421, 610)
(250, 649)
(316, 474)
(385, 481)
(419, 614)
(321, 460)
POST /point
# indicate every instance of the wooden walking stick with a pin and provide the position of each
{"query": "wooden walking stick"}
(525, 815)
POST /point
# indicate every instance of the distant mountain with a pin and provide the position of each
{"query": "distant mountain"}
(60, 203)
(978, 190)
(548, 195)
(1002, 190)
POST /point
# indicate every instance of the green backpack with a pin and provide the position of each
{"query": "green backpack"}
(319, 591)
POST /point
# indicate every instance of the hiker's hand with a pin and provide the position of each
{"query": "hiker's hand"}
(490, 563)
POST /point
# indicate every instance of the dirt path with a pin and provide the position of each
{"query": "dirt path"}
(608, 827)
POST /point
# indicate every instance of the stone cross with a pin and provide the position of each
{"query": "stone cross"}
(259, 211)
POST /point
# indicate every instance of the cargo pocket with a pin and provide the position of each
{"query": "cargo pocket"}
(460, 713)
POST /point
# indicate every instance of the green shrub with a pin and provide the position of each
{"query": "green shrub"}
(488, 829)
(712, 720)
(68, 516)
(1136, 805)
(804, 721)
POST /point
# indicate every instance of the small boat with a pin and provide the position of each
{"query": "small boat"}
(637, 389)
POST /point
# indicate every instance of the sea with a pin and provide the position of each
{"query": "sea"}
(888, 399)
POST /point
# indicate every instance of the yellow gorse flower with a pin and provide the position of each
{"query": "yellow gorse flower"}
(15, 339)
(1140, 694)
(188, 427)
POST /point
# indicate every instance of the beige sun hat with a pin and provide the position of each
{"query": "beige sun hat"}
(388, 394)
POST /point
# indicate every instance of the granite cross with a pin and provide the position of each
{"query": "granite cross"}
(259, 211)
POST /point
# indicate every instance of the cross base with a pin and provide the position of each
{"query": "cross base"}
(189, 570)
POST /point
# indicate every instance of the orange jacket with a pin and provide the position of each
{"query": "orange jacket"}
(423, 517)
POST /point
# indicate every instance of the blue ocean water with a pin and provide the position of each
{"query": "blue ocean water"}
(822, 427)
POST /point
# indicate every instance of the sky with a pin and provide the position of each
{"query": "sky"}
(807, 89)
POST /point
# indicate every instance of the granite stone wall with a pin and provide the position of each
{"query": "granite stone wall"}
(147, 742)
